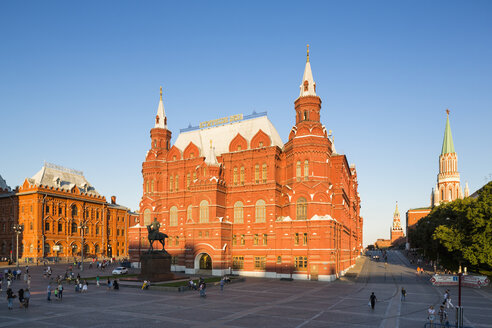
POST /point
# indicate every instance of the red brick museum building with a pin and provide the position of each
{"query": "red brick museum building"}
(232, 197)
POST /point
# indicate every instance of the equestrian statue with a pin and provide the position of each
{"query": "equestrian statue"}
(154, 235)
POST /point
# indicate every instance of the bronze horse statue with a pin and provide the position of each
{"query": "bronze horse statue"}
(156, 235)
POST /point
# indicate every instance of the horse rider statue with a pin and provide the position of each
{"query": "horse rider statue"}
(154, 235)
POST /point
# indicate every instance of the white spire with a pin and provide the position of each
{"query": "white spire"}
(161, 119)
(467, 190)
(308, 86)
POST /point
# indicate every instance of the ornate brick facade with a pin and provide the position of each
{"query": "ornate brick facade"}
(234, 198)
(58, 209)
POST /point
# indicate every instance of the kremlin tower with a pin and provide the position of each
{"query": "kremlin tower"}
(396, 229)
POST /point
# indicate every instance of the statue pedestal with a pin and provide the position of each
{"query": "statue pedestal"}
(155, 266)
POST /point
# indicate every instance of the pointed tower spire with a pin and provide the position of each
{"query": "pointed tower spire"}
(467, 190)
(447, 144)
(396, 210)
(308, 86)
(161, 119)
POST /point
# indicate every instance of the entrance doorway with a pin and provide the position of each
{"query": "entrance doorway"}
(205, 262)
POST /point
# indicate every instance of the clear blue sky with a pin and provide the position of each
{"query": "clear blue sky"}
(79, 85)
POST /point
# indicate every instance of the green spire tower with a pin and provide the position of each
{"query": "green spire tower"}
(447, 144)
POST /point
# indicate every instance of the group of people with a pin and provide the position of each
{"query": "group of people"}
(24, 296)
(442, 315)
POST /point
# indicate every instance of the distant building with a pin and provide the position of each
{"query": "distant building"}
(396, 229)
(448, 186)
(8, 215)
(61, 212)
(382, 243)
(234, 198)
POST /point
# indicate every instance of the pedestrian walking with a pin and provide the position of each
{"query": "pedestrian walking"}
(203, 288)
(27, 297)
(10, 298)
(84, 287)
(372, 300)
(222, 284)
(60, 291)
(29, 281)
(109, 284)
(431, 315)
(21, 297)
(116, 285)
(48, 293)
(443, 316)
(445, 297)
(97, 280)
(403, 294)
(56, 293)
(1, 288)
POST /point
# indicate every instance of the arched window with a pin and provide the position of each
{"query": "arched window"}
(86, 249)
(194, 176)
(234, 176)
(176, 183)
(450, 195)
(301, 208)
(189, 213)
(152, 186)
(238, 212)
(306, 169)
(46, 226)
(147, 217)
(203, 211)
(74, 249)
(171, 184)
(73, 227)
(173, 216)
(241, 178)
(264, 173)
(257, 173)
(188, 180)
(147, 186)
(60, 226)
(260, 211)
(298, 171)
(74, 210)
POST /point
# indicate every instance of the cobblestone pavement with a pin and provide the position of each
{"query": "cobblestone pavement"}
(254, 303)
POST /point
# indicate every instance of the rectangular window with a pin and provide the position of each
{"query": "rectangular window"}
(174, 260)
(60, 227)
(97, 230)
(255, 240)
(265, 239)
(171, 184)
(242, 240)
(176, 183)
(176, 241)
(206, 234)
(279, 259)
(306, 170)
(46, 226)
(296, 239)
(188, 180)
(257, 173)
(199, 234)
(298, 171)
(234, 240)
(238, 262)
(304, 239)
(234, 176)
(260, 263)
(264, 173)
(301, 263)
(194, 176)
(241, 177)
(47, 209)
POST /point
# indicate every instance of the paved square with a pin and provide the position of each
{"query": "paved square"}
(254, 303)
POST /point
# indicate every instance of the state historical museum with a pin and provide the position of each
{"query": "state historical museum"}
(233, 198)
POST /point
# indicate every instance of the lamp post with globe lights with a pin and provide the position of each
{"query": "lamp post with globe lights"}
(18, 228)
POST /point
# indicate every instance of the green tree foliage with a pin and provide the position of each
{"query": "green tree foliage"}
(460, 231)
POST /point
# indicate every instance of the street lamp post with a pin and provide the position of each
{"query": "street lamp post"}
(83, 226)
(18, 230)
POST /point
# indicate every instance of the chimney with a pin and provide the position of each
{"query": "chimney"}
(113, 199)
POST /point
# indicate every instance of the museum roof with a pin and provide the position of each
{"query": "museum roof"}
(56, 176)
(3, 184)
(221, 136)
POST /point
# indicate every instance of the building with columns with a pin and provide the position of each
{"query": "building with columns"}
(61, 212)
(232, 197)
(448, 187)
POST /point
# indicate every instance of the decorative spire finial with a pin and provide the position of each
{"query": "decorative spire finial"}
(307, 59)
(447, 111)
(161, 93)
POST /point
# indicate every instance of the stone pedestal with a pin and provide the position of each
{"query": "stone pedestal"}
(156, 266)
